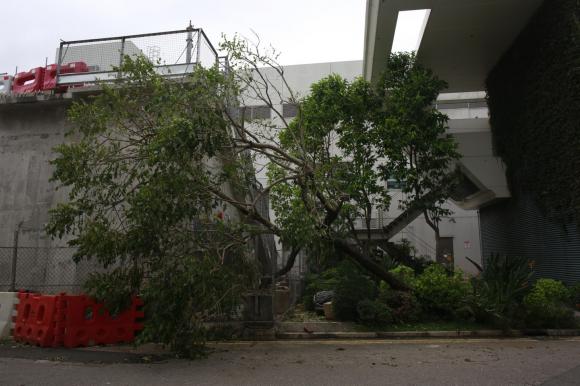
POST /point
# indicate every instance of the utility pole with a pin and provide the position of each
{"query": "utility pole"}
(189, 41)
(15, 258)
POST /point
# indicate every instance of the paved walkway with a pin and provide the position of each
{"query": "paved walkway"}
(376, 362)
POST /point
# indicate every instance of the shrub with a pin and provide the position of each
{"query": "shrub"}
(441, 294)
(184, 296)
(405, 274)
(547, 305)
(366, 311)
(575, 295)
(404, 253)
(500, 289)
(384, 313)
(374, 312)
(404, 305)
(352, 287)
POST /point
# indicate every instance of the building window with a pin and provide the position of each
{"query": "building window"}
(394, 184)
(289, 110)
(251, 112)
(258, 112)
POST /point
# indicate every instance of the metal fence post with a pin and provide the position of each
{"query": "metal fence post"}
(189, 42)
(59, 63)
(122, 51)
(274, 260)
(14, 259)
(198, 46)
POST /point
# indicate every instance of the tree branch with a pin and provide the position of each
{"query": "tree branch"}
(289, 263)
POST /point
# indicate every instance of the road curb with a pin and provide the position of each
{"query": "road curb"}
(326, 335)
(426, 334)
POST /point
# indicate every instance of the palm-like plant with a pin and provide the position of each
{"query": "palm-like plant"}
(501, 286)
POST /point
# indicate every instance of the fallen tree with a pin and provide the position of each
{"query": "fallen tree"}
(162, 186)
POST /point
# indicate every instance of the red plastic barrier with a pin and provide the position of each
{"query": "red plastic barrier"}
(88, 322)
(72, 321)
(28, 82)
(49, 82)
(23, 314)
(36, 319)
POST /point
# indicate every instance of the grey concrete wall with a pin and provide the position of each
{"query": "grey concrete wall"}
(28, 132)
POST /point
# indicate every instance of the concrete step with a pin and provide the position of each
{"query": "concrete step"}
(315, 326)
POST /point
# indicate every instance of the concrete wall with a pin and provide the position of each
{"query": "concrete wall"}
(28, 132)
(462, 226)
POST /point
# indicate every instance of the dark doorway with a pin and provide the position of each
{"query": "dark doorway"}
(445, 251)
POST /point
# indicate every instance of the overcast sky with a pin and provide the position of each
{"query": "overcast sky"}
(304, 31)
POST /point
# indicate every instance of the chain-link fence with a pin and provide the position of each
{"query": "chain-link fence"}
(173, 53)
(39, 269)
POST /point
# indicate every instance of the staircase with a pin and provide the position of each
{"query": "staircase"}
(401, 222)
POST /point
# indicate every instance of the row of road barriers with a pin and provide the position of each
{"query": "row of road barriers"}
(66, 320)
(40, 79)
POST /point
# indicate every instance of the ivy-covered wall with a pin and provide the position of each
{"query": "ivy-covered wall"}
(534, 101)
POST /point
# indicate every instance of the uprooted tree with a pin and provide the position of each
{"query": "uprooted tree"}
(163, 193)
(328, 166)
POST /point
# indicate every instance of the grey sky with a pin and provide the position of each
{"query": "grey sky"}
(304, 31)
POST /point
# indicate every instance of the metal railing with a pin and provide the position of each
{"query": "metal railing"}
(173, 53)
(467, 105)
(375, 223)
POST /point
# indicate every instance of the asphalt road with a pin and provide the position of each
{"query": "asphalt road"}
(376, 362)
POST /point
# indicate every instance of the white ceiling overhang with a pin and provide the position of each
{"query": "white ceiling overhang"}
(462, 41)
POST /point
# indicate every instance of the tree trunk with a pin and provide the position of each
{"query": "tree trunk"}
(435, 226)
(289, 263)
(370, 265)
(438, 256)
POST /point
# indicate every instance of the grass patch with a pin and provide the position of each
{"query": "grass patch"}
(426, 326)
(299, 314)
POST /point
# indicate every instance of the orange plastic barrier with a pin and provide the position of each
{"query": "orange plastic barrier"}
(28, 82)
(49, 82)
(73, 321)
(36, 318)
(88, 322)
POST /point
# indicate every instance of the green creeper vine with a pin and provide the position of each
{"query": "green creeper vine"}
(534, 101)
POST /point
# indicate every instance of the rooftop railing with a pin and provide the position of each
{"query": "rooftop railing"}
(173, 53)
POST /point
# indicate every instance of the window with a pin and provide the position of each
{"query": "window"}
(394, 184)
(289, 110)
(257, 112)
(251, 112)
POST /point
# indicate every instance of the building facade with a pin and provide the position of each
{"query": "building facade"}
(521, 163)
